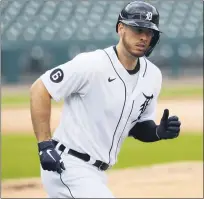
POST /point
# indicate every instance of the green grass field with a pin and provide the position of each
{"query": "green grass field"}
(20, 155)
(22, 99)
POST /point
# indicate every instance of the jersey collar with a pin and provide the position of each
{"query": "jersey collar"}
(122, 72)
(121, 69)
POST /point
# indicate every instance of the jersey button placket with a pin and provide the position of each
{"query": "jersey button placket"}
(122, 127)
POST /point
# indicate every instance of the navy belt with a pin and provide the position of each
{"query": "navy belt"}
(83, 156)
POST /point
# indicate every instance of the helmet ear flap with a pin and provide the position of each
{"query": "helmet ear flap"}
(118, 21)
(117, 26)
(154, 41)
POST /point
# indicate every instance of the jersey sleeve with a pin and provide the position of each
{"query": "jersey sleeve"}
(71, 77)
(150, 112)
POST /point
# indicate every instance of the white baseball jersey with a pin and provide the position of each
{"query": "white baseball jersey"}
(102, 102)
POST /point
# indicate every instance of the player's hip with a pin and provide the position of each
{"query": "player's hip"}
(78, 180)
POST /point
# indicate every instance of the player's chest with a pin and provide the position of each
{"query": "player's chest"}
(122, 98)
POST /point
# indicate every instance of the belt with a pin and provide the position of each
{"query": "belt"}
(102, 166)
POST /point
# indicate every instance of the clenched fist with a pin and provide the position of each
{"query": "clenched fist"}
(49, 158)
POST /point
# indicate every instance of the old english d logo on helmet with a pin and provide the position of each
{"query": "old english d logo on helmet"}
(141, 14)
(148, 16)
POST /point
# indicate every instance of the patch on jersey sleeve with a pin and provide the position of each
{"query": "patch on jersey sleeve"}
(57, 75)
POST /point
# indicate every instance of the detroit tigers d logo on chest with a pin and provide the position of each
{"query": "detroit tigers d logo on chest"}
(144, 105)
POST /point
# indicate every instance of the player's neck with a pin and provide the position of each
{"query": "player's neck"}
(127, 60)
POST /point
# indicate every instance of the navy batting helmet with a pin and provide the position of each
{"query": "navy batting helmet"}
(141, 14)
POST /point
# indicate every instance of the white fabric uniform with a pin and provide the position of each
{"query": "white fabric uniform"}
(102, 102)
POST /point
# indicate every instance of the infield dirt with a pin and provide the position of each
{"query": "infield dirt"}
(190, 113)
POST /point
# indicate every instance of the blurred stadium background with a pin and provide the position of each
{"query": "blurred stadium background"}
(38, 35)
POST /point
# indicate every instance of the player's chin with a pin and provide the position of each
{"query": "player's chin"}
(138, 53)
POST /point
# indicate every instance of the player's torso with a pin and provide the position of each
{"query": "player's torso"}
(100, 120)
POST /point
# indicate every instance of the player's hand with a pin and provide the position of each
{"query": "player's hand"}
(169, 127)
(49, 158)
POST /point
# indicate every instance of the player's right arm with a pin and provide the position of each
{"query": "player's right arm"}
(58, 83)
(40, 108)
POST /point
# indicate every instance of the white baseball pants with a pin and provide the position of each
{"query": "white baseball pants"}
(79, 180)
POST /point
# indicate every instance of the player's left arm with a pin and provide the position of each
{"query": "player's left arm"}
(146, 130)
(149, 131)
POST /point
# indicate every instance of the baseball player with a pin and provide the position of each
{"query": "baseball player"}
(109, 94)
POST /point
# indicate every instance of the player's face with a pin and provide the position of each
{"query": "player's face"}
(136, 40)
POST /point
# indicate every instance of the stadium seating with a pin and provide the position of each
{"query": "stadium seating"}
(53, 31)
(84, 20)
